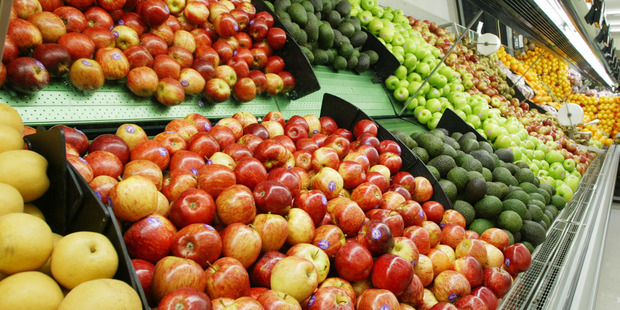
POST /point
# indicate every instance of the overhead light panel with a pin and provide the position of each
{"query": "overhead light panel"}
(558, 16)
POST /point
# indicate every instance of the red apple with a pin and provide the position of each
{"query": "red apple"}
(376, 299)
(132, 134)
(49, 24)
(144, 272)
(185, 298)
(404, 179)
(102, 37)
(420, 237)
(227, 278)
(260, 273)
(498, 280)
(153, 12)
(173, 142)
(177, 181)
(423, 190)
(24, 34)
(125, 37)
(452, 234)
(353, 261)
(217, 90)
(474, 248)
(215, 178)
(154, 44)
(113, 63)
(74, 19)
(81, 166)
(300, 226)
(497, 238)
(517, 258)
(150, 238)
(104, 163)
(450, 285)
(173, 272)
(235, 204)
(27, 74)
(487, 295)
(242, 243)
(101, 185)
(393, 273)
(151, 150)
(192, 206)
(86, 75)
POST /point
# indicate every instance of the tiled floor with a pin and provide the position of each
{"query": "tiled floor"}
(608, 290)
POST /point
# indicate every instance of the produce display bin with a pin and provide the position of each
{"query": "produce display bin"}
(347, 115)
(387, 63)
(451, 122)
(70, 205)
(296, 62)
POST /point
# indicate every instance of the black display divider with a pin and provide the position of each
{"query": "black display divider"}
(295, 61)
(347, 115)
(70, 205)
(535, 106)
(451, 122)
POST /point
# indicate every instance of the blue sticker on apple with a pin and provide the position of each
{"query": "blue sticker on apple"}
(315, 131)
(162, 151)
(86, 62)
(331, 185)
(375, 233)
(115, 33)
(421, 213)
(398, 148)
(169, 132)
(184, 83)
(39, 64)
(385, 307)
(311, 300)
(323, 244)
(130, 129)
(414, 263)
(201, 103)
(442, 225)
(194, 171)
(83, 160)
(507, 262)
(98, 195)
(324, 200)
(209, 227)
(207, 126)
(209, 162)
(116, 55)
(153, 221)
(452, 297)
(121, 22)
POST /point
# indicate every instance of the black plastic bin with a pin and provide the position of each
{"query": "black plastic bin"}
(451, 122)
(70, 205)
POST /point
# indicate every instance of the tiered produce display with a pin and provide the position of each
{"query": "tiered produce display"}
(267, 213)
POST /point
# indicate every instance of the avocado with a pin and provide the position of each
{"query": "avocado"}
(421, 153)
(469, 145)
(374, 57)
(528, 187)
(538, 197)
(450, 141)
(544, 194)
(463, 158)
(438, 133)
(357, 24)
(443, 163)
(486, 146)
(344, 8)
(345, 50)
(308, 6)
(340, 63)
(497, 189)
(312, 28)
(501, 174)
(347, 29)
(518, 194)
(363, 64)
(458, 176)
(533, 232)
(466, 209)
(535, 212)
(475, 190)
(479, 225)
(489, 207)
(327, 7)
(334, 19)
(456, 135)
(281, 5)
(352, 62)
(472, 165)
(318, 5)
(505, 155)
(298, 13)
(550, 189)
(448, 188)
(515, 205)
(358, 38)
(449, 150)
(326, 36)
(320, 57)
(337, 38)
(308, 53)
(558, 202)
(431, 143)
(474, 174)
(434, 172)
(485, 158)
(487, 174)
(522, 164)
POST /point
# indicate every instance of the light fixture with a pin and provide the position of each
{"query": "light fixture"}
(558, 16)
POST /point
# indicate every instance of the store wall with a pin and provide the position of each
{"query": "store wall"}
(439, 11)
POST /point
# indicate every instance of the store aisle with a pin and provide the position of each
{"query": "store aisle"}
(608, 293)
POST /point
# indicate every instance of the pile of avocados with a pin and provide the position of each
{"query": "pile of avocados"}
(486, 186)
(326, 32)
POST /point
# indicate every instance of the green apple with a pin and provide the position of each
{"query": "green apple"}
(387, 15)
(481, 132)
(413, 76)
(552, 145)
(392, 82)
(365, 17)
(403, 83)
(516, 151)
(418, 109)
(516, 140)
(438, 80)
(467, 84)
(565, 192)
(436, 114)
(397, 49)
(401, 19)
(465, 108)
(569, 165)
(401, 94)
(423, 69)
(433, 93)
(554, 156)
(377, 11)
(423, 116)
(457, 87)
(473, 120)
(413, 103)
(399, 57)
(433, 122)
(481, 110)
(544, 164)
(539, 155)
(421, 100)
(375, 26)
(461, 114)
(492, 131)
(435, 51)
(433, 105)
(410, 45)
(556, 171)
(572, 182)
(398, 40)
(422, 50)
(542, 173)
(534, 167)
(445, 91)
(400, 12)
(368, 4)
(457, 97)
(410, 62)
(401, 72)
(413, 87)
(355, 10)
(502, 142)
(543, 148)
(387, 33)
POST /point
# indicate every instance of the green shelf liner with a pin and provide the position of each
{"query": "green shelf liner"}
(60, 102)
(402, 125)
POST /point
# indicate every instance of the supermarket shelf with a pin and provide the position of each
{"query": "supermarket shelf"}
(114, 102)
(405, 124)
(564, 271)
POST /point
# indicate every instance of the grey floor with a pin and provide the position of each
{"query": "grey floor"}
(609, 290)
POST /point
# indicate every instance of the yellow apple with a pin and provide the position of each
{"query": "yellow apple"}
(46, 268)
(9, 116)
(30, 290)
(82, 256)
(295, 276)
(11, 138)
(26, 242)
(102, 294)
(33, 210)
(26, 171)
(12, 201)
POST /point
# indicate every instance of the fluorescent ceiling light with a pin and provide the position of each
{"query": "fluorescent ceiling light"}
(558, 16)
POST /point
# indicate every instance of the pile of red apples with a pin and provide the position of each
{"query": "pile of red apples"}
(299, 214)
(168, 49)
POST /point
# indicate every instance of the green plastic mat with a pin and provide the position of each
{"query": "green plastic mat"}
(61, 102)
(407, 126)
